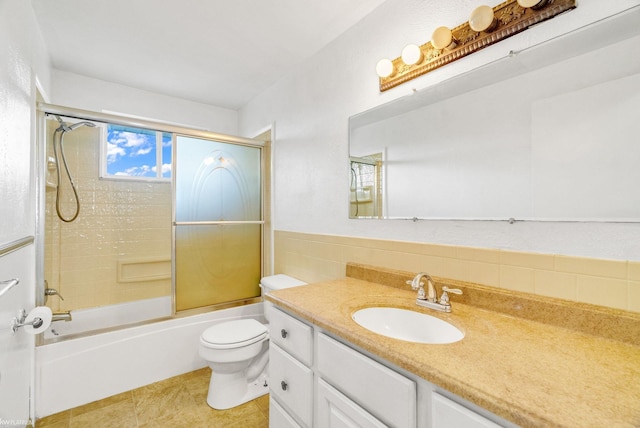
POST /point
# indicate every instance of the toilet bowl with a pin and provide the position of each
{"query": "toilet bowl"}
(237, 353)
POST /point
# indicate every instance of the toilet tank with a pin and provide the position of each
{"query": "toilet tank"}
(277, 282)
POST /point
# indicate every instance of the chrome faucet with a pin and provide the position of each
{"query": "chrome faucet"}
(52, 292)
(429, 299)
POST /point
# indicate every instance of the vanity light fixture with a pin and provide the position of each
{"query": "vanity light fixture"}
(485, 27)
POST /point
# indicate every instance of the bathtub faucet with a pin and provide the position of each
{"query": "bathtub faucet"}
(52, 292)
(61, 316)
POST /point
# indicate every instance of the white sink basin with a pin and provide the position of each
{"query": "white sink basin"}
(407, 325)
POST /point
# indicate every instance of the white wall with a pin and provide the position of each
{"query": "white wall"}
(23, 60)
(81, 92)
(311, 106)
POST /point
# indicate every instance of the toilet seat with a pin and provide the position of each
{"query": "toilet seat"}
(234, 334)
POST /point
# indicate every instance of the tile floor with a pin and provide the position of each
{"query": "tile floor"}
(176, 402)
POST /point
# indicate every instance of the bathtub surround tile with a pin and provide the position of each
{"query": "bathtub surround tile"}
(177, 402)
(117, 220)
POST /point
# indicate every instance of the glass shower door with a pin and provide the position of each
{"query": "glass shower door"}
(217, 222)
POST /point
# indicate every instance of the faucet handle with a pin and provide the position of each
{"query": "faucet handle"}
(444, 299)
(410, 282)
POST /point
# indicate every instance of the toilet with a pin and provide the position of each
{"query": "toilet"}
(237, 353)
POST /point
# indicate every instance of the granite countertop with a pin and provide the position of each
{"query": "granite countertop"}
(530, 373)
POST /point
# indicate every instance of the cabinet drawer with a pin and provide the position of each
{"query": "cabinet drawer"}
(388, 395)
(449, 414)
(292, 335)
(336, 410)
(291, 383)
(278, 417)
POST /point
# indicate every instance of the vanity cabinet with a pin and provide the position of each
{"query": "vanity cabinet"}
(319, 381)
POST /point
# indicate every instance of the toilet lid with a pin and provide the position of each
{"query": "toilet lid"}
(237, 332)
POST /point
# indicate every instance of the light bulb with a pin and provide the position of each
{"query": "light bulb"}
(532, 3)
(442, 38)
(482, 19)
(411, 54)
(384, 68)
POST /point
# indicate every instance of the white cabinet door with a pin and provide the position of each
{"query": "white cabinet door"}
(449, 414)
(385, 393)
(335, 410)
(278, 417)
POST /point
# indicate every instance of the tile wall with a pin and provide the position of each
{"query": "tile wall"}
(611, 283)
(124, 221)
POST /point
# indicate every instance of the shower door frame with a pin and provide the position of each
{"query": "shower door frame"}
(174, 224)
(175, 129)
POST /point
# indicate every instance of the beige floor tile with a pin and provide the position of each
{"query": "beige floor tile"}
(58, 420)
(245, 415)
(263, 404)
(114, 399)
(157, 404)
(117, 415)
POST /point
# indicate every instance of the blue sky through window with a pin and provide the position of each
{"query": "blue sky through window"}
(132, 152)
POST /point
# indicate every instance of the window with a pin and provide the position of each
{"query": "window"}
(136, 153)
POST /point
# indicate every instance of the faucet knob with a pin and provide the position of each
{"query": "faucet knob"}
(444, 299)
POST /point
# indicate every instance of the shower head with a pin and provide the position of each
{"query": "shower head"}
(79, 124)
(66, 128)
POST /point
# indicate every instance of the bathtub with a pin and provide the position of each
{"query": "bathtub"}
(105, 317)
(80, 368)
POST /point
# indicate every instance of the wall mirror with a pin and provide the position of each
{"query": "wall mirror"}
(551, 133)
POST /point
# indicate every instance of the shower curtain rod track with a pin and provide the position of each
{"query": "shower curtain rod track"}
(214, 222)
(146, 124)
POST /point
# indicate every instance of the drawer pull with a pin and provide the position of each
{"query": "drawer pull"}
(284, 333)
(284, 385)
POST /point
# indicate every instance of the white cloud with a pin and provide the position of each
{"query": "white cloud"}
(113, 152)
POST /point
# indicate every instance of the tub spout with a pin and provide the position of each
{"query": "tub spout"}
(61, 316)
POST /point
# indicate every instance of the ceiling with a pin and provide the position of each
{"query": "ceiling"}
(219, 52)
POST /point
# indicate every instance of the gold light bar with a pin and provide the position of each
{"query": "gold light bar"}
(510, 18)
